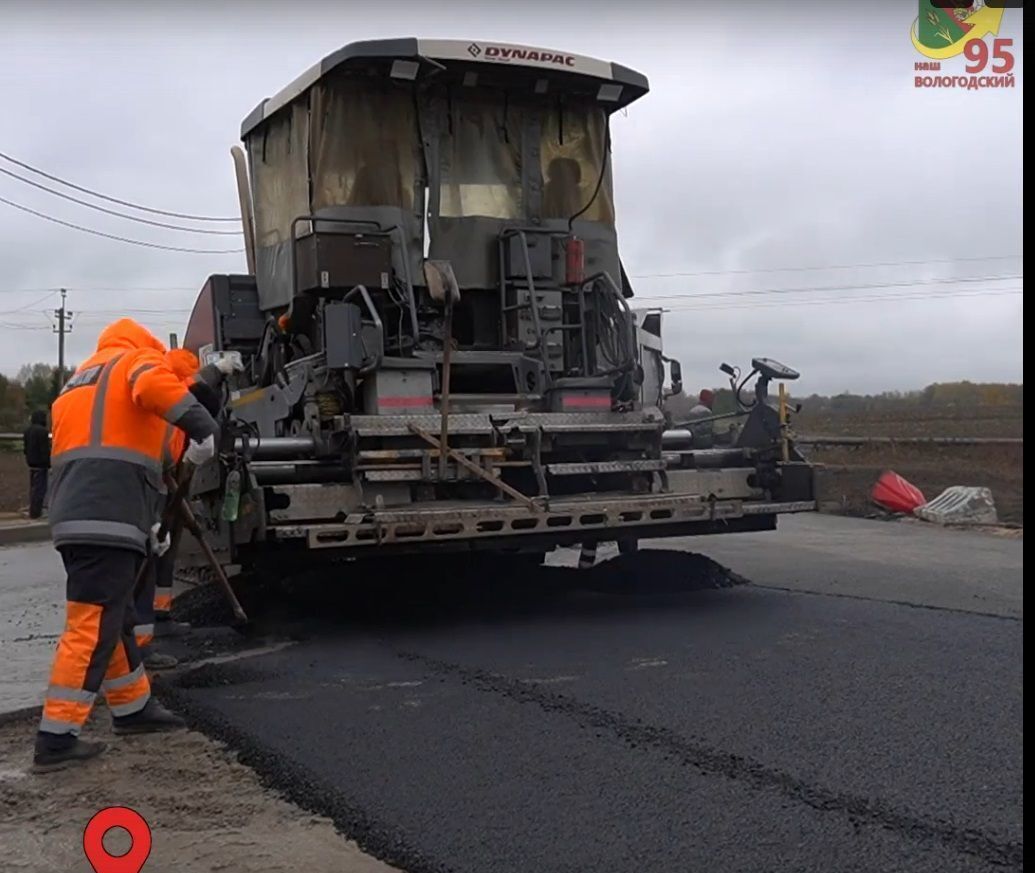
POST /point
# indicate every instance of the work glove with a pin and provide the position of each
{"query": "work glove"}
(197, 453)
(159, 546)
(229, 363)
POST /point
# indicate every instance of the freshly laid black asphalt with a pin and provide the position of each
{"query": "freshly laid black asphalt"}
(660, 725)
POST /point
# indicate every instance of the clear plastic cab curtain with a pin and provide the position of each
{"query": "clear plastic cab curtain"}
(278, 155)
(574, 143)
(480, 161)
(365, 144)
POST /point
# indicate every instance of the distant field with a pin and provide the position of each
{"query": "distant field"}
(916, 422)
(849, 473)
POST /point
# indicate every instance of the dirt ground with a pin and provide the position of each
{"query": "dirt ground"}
(206, 811)
(849, 473)
(14, 482)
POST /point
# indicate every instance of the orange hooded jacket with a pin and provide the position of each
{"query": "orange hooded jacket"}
(185, 364)
(109, 434)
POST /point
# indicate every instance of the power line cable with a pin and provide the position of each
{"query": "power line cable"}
(97, 318)
(813, 288)
(115, 212)
(135, 242)
(943, 294)
(11, 325)
(676, 296)
(100, 196)
(46, 296)
(102, 289)
(134, 311)
(639, 296)
(826, 267)
(882, 298)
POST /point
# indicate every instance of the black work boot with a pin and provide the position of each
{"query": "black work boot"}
(166, 627)
(57, 751)
(152, 719)
(158, 661)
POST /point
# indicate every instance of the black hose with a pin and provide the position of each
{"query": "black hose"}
(600, 179)
(740, 388)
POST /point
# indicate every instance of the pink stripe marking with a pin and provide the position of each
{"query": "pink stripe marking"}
(404, 401)
(584, 402)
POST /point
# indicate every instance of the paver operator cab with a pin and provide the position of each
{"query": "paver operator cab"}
(440, 352)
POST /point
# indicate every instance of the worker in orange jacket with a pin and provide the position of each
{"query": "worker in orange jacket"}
(154, 599)
(108, 427)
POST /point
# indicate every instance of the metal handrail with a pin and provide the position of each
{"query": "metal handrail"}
(522, 234)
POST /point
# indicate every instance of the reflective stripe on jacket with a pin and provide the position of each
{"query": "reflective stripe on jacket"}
(109, 433)
(184, 363)
(174, 444)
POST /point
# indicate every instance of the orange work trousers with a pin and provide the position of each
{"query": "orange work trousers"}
(97, 651)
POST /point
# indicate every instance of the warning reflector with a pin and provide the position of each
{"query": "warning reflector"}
(895, 494)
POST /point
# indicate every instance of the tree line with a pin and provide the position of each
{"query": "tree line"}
(34, 387)
(940, 395)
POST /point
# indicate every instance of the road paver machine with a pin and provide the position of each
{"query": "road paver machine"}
(439, 344)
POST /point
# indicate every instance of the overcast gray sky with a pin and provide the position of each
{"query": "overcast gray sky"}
(776, 135)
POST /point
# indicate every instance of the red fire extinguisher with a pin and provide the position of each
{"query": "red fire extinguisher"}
(574, 261)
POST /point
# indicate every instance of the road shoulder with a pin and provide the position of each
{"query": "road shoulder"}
(206, 811)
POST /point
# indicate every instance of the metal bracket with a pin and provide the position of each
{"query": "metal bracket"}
(469, 465)
(537, 464)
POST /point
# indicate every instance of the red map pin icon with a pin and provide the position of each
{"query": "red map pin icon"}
(100, 858)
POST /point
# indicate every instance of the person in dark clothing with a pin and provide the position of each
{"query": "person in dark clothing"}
(37, 455)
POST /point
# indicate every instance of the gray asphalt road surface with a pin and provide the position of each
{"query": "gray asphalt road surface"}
(856, 707)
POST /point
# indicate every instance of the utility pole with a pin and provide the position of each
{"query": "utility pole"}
(63, 326)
